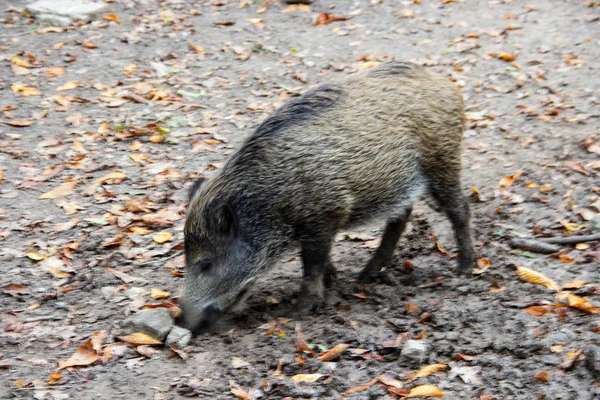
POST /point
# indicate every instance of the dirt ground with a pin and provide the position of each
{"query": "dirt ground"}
(166, 92)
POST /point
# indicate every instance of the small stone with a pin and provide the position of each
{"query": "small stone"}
(179, 337)
(595, 224)
(592, 360)
(415, 349)
(63, 12)
(155, 322)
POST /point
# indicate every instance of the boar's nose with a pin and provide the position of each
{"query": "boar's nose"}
(196, 319)
(210, 315)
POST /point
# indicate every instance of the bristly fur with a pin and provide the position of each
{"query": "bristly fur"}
(362, 147)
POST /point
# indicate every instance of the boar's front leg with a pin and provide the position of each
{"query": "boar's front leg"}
(385, 251)
(318, 271)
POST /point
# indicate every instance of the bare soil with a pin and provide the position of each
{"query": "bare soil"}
(529, 74)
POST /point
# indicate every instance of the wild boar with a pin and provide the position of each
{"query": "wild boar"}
(362, 147)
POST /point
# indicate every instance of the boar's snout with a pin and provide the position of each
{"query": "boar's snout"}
(197, 318)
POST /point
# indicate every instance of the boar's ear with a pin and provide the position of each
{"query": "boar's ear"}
(222, 220)
(195, 187)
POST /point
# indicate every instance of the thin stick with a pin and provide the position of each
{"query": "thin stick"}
(571, 239)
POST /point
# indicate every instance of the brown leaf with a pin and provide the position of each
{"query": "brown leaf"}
(125, 277)
(159, 294)
(301, 345)
(85, 355)
(65, 189)
(362, 387)
(571, 358)
(361, 295)
(326, 18)
(115, 175)
(333, 353)
(139, 338)
(542, 376)
(19, 123)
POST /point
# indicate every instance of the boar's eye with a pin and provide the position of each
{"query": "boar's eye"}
(204, 265)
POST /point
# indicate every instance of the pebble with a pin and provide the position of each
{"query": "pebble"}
(63, 12)
(415, 349)
(155, 322)
(179, 337)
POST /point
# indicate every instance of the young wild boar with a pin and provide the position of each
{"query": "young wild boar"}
(346, 152)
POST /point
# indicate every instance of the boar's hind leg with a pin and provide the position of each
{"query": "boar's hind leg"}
(385, 251)
(456, 207)
(317, 270)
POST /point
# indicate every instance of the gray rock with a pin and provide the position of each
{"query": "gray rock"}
(595, 224)
(180, 337)
(63, 12)
(155, 322)
(415, 349)
(592, 360)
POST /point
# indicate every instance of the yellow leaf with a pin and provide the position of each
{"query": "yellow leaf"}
(582, 304)
(159, 294)
(162, 237)
(78, 147)
(68, 86)
(130, 69)
(112, 17)
(306, 377)
(24, 90)
(333, 353)
(103, 128)
(537, 278)
(139, 158)
(36, 255)
(64, 189)
(425, 391)
(139, 338)
(20, 62)
(140, 229)
(509, 180)
(85, 355)
(54, 71)
(54, 378)
(428, 370)
(507, 57)
(484, 264)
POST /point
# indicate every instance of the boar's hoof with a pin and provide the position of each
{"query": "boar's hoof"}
(330, 275)
(311, 298)
(369, 276)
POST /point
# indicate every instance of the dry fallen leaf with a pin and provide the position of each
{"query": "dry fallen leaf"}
(24, 90)
(326, 18)
(537, 278)
(62, 190)
(85, 355)
(509, 180)
(333, 353)
(68, 86)
(570, 359)
(301, 345)
(542, 376)
(112, 17)
(237, 362)
(582, 304)
(428, 370)
(425, 391)
(139, 338)
(159, 294)
(162, 237)
(361, 387)
(484, 264)
(307, 377)
(238, 392)
(116, 175)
